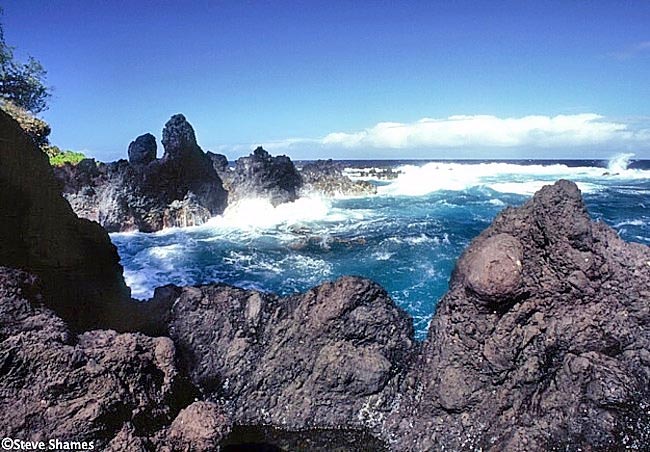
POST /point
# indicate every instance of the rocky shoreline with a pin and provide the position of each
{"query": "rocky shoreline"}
(541, 342)
(187, 186)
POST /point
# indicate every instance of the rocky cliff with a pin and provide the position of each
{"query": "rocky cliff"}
(147, 194)
(187, 186)
(74, 258)
(541, 342)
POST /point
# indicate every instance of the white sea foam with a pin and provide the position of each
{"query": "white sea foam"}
(382, 255)
(164, 253)
(635, 222)
(436, 176)
(260, 213)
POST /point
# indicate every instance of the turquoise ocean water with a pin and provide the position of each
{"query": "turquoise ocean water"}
(407, 237)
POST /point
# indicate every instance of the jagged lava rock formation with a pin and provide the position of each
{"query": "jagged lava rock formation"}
(123, 392)
(148, 194)
(541, 342)
(187, 186)
(142, 150)
(261, 175)
(318, 359)
(58, 385)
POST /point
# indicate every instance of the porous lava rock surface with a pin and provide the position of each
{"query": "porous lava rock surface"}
(541, 342)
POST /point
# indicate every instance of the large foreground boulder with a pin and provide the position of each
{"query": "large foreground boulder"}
(55, 385)
(39, 232)
(330, 357)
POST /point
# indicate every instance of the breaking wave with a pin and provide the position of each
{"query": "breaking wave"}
(407, 238)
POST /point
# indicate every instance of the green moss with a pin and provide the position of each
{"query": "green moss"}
(64, 157)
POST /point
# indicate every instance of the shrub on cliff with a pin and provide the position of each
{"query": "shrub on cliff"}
(22, 83)
(59, 158)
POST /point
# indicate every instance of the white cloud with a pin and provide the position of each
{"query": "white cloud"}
(487, 131)
(472, 136)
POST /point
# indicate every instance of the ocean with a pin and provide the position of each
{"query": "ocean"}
(407, 237)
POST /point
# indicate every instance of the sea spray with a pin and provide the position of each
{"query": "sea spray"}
(620, 162)
(407, 238)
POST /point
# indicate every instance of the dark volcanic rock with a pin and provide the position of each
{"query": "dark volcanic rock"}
(142, 150)
(199, 427)
(326, 177)
(88, 388)
(178, 138)
(541, 342)
(39, 232)
(219, 162)
(262, 176)
(330, 357)
(181, 189)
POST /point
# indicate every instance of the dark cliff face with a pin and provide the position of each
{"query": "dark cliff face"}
(74, 258)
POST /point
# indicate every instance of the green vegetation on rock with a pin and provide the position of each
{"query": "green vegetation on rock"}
(23, 94)
(60, 158)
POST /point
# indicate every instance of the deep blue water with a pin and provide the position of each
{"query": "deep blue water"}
(407, 238)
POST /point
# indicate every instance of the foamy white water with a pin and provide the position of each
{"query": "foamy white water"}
(407, 238)
(505, 177)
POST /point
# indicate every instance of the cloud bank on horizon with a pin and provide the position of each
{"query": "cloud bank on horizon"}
(463, 133)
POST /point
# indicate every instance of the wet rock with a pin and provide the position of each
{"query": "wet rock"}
(142, 150)
(326, 178)
(261, 175)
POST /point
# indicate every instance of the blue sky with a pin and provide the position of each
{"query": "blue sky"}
(341, 79)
